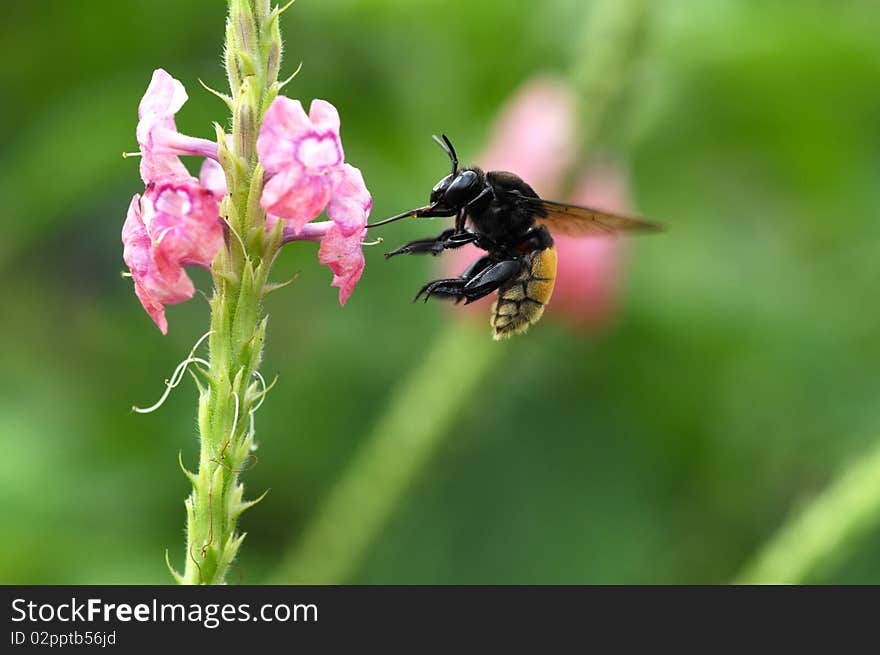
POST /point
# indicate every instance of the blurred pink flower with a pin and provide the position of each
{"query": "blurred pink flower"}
(306, 174)
(534, 137)
(157, 135)
(175, 223)
(588, 274)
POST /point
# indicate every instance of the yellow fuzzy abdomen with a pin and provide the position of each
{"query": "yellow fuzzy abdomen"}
(521, 301)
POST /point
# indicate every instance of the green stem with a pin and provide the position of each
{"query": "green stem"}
(400, 445)
(226, 402)
(608, 46)
(814, 538)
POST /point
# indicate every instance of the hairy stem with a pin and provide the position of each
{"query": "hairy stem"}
(814, 537)
(233, 388)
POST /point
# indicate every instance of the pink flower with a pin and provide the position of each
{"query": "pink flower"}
(301, 155)
(175, 223)
(159, 140)
(534, 137)
(306, 174)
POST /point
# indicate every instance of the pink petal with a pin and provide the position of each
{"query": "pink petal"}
(156, 167)
(155, 295)
(296, 196)
(159, 140)
(350, 205)
(163, 99)
(314, 231)
(288, 137)
(323, 148)
(213, 178)
(345, 257)
(183, 222)
(154, 309)
(164, 96)
(319, 152)
(324, 116)
(153, 287)
(284, 124)
(136, 242)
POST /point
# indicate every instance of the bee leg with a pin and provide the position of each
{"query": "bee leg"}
(445, 240)
(448, 288)
(491, 279)
(485, 278)
(421, 246)
(451, 288)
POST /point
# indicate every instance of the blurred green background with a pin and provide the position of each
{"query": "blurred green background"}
(740, 374)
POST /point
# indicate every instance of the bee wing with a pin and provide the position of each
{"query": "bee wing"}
(578, 221)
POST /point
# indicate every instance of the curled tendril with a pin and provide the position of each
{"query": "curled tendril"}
(261, 397)
(177, 376)
(250, 462)
(231, 436)
(196, 562)
(234, 419)
(211, 531)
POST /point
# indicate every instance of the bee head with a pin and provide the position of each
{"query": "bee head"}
(450, 194)
(438, 193)
(456, 191)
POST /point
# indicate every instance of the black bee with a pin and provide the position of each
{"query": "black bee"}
(510, 222)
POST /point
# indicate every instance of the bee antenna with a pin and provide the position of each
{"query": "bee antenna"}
(448, 148)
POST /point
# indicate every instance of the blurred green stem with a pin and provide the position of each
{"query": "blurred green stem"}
(814, 537)
(425, 404)
(423, 409)
(608, 46)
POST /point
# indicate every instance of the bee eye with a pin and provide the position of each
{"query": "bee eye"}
(463, 189)
(439, 190)
(442, 185)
